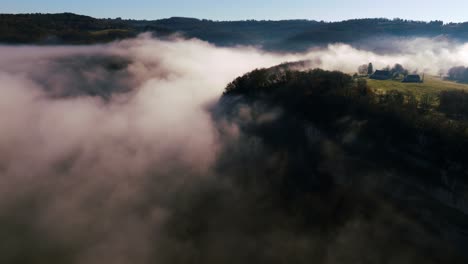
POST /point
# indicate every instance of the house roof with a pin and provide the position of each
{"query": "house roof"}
(382, 72)
(381, 75)
(413, 77)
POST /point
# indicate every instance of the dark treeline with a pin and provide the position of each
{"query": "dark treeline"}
(459, 74)
(337, 151)
(454, 103)
(61, 28)
(279, 35)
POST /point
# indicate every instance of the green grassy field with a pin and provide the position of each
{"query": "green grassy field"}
(431, 84)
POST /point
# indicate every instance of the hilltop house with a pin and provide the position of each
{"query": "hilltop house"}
(381, 75)
(412, 78)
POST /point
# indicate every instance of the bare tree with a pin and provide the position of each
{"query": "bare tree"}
(363, 69)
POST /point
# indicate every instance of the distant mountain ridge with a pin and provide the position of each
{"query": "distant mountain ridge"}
(283, 35)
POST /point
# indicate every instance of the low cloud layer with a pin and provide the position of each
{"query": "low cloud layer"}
(431, 56)
(97, 141)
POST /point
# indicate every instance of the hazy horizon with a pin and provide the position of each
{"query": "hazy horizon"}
(336, 10)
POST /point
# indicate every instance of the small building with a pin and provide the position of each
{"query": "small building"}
(381, 75)
(412, 78)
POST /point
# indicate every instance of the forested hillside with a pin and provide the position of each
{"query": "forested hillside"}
(333, 139)
(290, 35)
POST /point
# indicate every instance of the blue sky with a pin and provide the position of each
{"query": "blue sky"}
(331, 10)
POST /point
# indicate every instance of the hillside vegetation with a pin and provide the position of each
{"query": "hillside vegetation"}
(334, 133)
(61, 28)
(288, 35)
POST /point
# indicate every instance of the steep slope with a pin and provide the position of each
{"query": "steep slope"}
(341, 155)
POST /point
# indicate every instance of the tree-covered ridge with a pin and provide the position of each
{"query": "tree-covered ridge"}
(61, 28)
(279, 35)
(434, 128)
(324, 95)
(402, 142)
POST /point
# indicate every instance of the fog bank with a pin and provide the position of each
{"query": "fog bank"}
(96, 142)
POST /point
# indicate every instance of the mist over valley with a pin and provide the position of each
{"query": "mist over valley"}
(195, 141)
